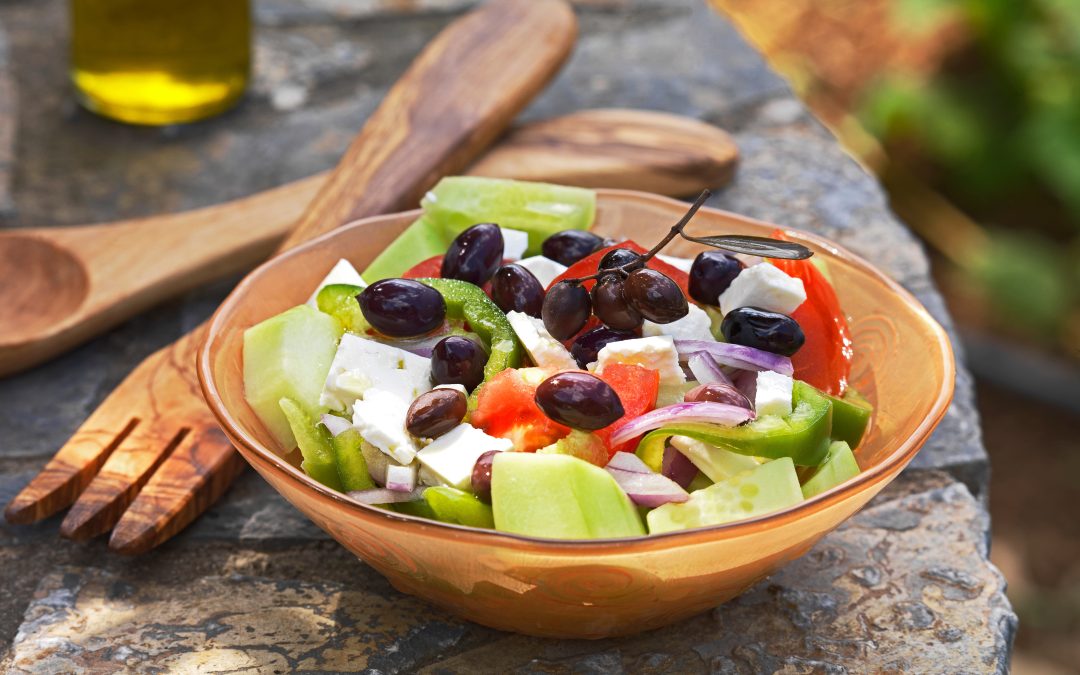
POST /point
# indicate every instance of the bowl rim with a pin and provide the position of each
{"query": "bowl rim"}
(894, 462)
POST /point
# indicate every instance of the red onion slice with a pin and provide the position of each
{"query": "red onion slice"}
(644, 486)
(706, 370)
(384, 496)
(336, 425)
(628, 461)
(678, 467)
(707, 412)
(737, 356)
(401, 478)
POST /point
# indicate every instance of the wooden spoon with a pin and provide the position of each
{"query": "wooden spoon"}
(61, 286)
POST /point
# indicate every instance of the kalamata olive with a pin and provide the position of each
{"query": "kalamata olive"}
(474, 255)
(435, 412)
(761, 329)
(589, 344)
(718, 393)
(611, 307)
(458, 360)
(515, 289)
(655, 296)
(566, 309)
(402, 307)
(711, 274)
(618, 257)
(481, 476)
(579, 400)
(569, 246)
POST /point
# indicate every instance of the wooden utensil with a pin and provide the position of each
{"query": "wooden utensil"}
(64, 285)
(154, 433)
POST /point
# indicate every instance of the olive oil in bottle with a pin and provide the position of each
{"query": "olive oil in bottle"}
(160, 61)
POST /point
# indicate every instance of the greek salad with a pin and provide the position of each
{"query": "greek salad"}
(501, 366)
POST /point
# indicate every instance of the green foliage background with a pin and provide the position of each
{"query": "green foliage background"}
(998, 131)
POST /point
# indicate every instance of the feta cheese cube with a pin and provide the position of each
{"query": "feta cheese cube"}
(514, 243)
(450, 458)
(380, 419)
(341, 273)
(694, 326)
(774, 394)
(402, 478)
(683, 264)
(544, 269)
(545, 351)
(657, 352)
(361, 364)
(765, 287)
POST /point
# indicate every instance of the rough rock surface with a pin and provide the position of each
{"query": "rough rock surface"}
(252, 584)
(902, 572)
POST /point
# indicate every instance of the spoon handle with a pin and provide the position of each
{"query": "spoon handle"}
(459, 94)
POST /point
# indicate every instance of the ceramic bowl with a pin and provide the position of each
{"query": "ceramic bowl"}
(592, 589)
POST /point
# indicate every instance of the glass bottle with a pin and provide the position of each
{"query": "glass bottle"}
(160, 61)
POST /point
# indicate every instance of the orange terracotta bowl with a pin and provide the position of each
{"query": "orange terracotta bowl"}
(594, 589)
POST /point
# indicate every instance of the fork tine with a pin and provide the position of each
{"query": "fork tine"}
(192, 478)
(73, 467)
(114, 487)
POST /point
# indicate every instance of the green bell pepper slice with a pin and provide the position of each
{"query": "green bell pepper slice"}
(315, 445)
(851, 417)
(335, 462)
(450, 505)
(469, 303)
(803, 435)
(339, 301)
(352, 468)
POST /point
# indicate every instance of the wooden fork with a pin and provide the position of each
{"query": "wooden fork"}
(151, 457)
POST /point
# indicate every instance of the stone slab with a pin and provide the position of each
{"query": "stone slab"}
(9, 101)
(899, 588)
(322, 66)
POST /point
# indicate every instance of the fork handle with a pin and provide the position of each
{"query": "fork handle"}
(463, 89)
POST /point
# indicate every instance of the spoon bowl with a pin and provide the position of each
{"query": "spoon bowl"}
(51, 286)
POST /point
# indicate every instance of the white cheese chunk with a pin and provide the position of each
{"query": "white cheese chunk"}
(765, 287)
(450, 458)
(380, 419)
(514, 243)
(341, 273)
(773, 395)
(656, 352)
(402, 478)
(694, 326)
(544, 269)
(361, 364)
(545, 351)
(683, 264)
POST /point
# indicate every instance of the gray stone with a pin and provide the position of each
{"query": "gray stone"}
(933, 601)
(901, 582)
(9, 101)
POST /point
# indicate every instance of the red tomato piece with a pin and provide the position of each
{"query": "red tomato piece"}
(505, 407)
(637, 388)
(425, 269)
(589, 264)
(824, 360)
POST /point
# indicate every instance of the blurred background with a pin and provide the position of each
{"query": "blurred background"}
(969, 112)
